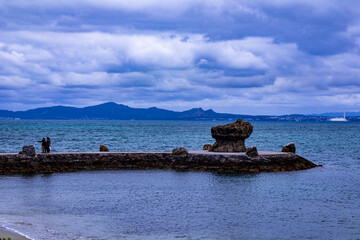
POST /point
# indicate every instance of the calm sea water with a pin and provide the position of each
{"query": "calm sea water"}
(320, 203)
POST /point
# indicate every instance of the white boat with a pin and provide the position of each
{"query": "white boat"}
(343, 119)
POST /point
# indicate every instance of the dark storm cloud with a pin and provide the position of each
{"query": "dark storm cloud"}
(316, 27)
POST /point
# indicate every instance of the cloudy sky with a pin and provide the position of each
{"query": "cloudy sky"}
(235, 56)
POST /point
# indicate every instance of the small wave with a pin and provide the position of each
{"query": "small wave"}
(15, 231)
(23, 223)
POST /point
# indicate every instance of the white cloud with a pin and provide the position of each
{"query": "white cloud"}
(14, 82)
(170, 68)
(86, 52)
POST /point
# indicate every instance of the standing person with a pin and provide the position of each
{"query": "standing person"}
(43, 145)
(48, 142)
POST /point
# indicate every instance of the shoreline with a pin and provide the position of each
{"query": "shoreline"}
(7, 233)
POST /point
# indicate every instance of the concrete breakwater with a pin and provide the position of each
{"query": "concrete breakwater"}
(266, 161)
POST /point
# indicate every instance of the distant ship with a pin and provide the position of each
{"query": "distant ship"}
(343, 119)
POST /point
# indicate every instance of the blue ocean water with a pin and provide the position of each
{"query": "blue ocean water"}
(320, 203)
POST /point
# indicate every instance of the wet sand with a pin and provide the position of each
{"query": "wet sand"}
(4, 233)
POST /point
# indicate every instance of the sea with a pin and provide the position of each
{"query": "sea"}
(319, 203)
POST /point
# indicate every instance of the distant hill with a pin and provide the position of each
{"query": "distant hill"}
(114, 111)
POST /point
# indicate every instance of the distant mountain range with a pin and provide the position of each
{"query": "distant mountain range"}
(114, 111)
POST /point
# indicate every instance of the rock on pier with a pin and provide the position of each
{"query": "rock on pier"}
(231, 137)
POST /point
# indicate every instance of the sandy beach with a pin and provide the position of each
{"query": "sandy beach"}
(4, 233)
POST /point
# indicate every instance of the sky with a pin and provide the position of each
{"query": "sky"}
(234, 56)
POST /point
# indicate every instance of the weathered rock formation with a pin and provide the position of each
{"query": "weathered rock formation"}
(104, 148)
(28, 151)
(179, 151)
(290, 147)
(231, 137)
(207, 147)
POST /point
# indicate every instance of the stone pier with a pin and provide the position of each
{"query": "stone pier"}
(266, 161)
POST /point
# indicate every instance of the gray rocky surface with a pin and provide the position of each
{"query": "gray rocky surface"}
(11, 163)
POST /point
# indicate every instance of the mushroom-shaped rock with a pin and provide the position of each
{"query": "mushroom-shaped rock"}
(179, 151)
(28, 151)
(231, 137)
(207, 147)
(103, 148)
(252, 152)
(290, 147)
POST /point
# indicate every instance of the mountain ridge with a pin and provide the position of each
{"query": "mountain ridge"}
(115, 111)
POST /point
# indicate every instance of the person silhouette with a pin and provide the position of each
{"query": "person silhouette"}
(43, 145)
(48, 142)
